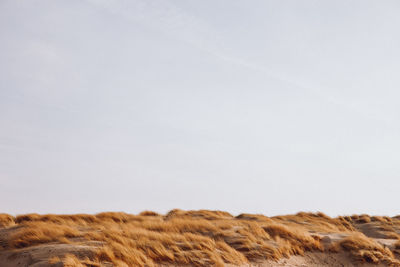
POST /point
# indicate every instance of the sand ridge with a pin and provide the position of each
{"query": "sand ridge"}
(198, 238)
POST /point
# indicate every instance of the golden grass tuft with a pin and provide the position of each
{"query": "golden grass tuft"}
(149, 213)
(199, 214)
(33, 233)
(365, 249)
(6, 220)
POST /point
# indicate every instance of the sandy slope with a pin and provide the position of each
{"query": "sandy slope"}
(38, 257)
(316, 259)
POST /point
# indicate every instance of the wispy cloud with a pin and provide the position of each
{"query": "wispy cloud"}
(172, 20)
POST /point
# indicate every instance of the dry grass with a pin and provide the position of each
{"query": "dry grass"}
(365, 249)
(199, 238)
(6, 220)
(71, 260)
(33, 233)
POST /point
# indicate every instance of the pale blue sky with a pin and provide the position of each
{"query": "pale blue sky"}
(267, 107)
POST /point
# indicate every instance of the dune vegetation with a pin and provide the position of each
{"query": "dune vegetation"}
(193, 238)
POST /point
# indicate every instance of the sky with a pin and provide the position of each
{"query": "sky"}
(259, 106)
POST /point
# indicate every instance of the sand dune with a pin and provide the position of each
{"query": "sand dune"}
(198, 238)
